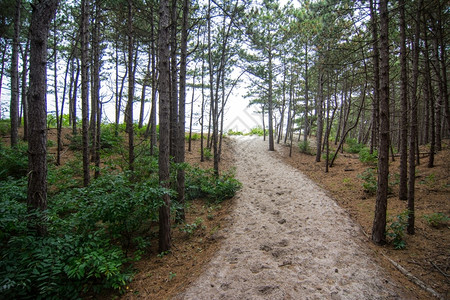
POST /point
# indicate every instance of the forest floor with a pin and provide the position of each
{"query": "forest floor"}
(284, 237)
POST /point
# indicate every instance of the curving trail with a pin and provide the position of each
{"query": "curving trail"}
(288, 240)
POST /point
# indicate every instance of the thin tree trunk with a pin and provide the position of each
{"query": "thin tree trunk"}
(319, 118)
(131, 82)
(403, 187)
(376, 74)
(14, 107)
(174, 80)
(85, 88)
(165, 242)
(413, 125)
(182, 114)
(270, 100)
(24, 89)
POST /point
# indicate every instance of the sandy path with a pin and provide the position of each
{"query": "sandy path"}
(288, 240)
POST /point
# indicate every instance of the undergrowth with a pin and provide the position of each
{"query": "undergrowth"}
(95, 233)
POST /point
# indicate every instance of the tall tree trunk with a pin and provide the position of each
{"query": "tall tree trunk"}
(376, 74)
(24, 89)
(14, 107)
(379, 222)
(430, 102)
(413, 124)
(85, 88)
(4, 47)
(174, 79)
(42, 14)
(270, 100)
(403, 190)
(182, 113)
(191, 117)
(153, 135)
(96, 120)
(131, 81)
(73, 96)
(164, 126)
(305, 136)
(319, 118)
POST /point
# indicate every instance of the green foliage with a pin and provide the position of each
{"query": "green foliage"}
(256, 131)
(396, 230)
(436, 220)
(304, 147)
(330, 155)
(369, 181)
(191, 228)
(5, 127)
(367, 158)
(89, 232)
(232, 132)
(194, 136)
(13, 161)
(108, 137)
(354, 146)
(204, 184)
(207, 153)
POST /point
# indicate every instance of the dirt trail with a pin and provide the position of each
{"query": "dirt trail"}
(288, 240)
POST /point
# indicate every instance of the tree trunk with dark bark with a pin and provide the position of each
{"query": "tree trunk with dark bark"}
(379, 222)
(164, 118)
(42, 14)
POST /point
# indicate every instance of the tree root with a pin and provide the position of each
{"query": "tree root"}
(414, 279)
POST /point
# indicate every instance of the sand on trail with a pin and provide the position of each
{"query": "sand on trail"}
(288, 240)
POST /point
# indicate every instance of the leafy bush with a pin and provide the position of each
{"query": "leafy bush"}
(191, 228)
(436, 220)
(256, 131)
(396, 230)
(369, 181)
(354, 146)
(13, 161)
(5, 127)
(366, 157)
(204, 184)
(304, 147)
(232, 132)
(89, 232)
(194, 136)
(207, 153)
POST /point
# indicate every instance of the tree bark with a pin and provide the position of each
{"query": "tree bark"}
(42, 14)
(180, 157)
(376, 74)
(131, 82)
(14, 107)
(413, 125)
(379, 222)
(403, 189)
(85, 88)
(164, 126)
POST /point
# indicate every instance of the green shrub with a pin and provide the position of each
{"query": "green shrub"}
(366, 157)
(232, 132)
(396, 230)
(5, 127)
(13, 161)
(369, 181)
(194, 136)
(305, 148)
(436, 220)
(204, 184)
(207, 153)
(256, 131)
(354, 146)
